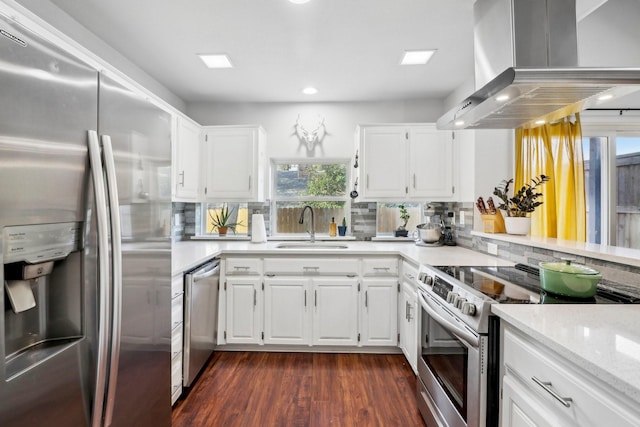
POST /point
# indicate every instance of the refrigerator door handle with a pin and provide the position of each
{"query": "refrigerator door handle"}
(116, 278)
(103, 276)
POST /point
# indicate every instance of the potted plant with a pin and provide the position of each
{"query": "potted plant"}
(342, 229)
(401, 231)
(221, 220)
(518, 206)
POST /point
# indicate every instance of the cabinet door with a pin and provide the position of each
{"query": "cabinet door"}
(408, 324)
(379, 317)
(335, 311)
(231, 163)
(431, 163)
(520, 408)
(187, 169)
(244, 310)
(384, 162)
(287, 311)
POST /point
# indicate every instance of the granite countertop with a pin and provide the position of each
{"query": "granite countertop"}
(189, 254)
(603, 340)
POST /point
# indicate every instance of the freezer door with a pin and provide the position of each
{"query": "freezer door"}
(140, 135)
(48, 101)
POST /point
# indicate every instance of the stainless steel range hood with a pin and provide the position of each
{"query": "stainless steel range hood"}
(527, 68)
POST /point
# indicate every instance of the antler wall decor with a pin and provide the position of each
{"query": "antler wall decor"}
(310, 137)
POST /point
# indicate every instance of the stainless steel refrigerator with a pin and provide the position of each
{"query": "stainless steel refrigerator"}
(85, 248)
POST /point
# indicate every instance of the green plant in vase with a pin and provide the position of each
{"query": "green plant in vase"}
(222, 220)
(523, 202)
(342, 229)
(401, 231)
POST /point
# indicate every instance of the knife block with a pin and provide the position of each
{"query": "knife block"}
(493, 223)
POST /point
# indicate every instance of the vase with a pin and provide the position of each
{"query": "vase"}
(222, 231)
(342, 230)
(519, 225)
(401, 233)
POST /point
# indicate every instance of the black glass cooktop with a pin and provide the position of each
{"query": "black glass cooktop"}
(521, 285)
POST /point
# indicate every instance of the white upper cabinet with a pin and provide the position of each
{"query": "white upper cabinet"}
(405, 162)
(188, 136)
(430, 163)
(384, 157)
(234, 163)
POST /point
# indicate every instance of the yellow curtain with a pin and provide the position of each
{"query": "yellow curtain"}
(554, 150)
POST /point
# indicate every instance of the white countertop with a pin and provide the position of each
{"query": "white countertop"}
(603, 340)
(189, 254)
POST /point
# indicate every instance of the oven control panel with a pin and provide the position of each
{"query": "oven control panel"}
(460, 298)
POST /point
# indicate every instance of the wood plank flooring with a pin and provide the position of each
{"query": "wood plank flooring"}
(302, 390)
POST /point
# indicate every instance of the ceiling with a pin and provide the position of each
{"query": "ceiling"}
(350, 50)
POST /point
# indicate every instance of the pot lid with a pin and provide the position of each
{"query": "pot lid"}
(565, 266)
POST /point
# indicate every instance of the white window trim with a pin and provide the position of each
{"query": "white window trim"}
(610, 125)
(274, 199)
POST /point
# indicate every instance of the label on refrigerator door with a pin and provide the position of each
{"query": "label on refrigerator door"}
(41, 242)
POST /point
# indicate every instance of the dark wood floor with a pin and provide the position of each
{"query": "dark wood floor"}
(301, 389)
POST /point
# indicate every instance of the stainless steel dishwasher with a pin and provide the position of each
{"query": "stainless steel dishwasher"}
(200, 317)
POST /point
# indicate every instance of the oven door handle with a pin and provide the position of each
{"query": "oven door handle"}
(460, 333)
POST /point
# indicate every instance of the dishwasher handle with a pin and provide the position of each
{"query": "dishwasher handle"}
(206, 271)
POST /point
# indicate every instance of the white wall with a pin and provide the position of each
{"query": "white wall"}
(340, 120)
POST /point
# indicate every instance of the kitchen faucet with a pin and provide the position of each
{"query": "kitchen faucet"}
(312, 232)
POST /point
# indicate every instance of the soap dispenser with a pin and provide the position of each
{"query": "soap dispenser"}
(332, 227)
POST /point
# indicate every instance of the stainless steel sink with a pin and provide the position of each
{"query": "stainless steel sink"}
(309, 245)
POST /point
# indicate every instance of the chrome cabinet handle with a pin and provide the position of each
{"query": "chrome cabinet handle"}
(367, 181)
(366, 298)
(409, 312)
(305, 297)
(315, 298)
(249, 182)
(255, 297)
(241, 267)
(414, 181)
(181, 183)
(546, 386)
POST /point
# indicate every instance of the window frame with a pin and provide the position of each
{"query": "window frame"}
(609, 127)
(274, 199)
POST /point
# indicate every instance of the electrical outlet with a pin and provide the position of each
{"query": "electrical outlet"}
(461, 222)
(492, 248)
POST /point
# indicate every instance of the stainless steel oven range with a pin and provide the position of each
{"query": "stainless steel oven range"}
(458, 358)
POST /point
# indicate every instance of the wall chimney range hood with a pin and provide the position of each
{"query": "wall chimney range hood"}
(526, 68)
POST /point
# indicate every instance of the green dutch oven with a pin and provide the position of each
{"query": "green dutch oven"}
(573, 280)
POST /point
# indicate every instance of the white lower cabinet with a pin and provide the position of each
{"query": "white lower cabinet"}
(408, 323)
(287, 311)
(541, 388)
(379, 313)
(335, 311)
(243, 310)
(177, 295)
(298, 301)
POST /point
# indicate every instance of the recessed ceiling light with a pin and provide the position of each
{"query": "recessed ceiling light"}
(540, 122)
(310, 90)
(605, 97)
(459, 122)
(501, 98)
(417, 57)
(218, 60)
(299, 1)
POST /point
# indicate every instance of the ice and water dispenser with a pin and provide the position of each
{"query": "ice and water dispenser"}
(43, 283)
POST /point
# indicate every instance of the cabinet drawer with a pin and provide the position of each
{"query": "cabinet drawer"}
(591, 403)
(409, 271)
(243, 266)
(176, 378)
(380, 266)
(311, 266)
(176, 341)
(177, 285)
(176, 311)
